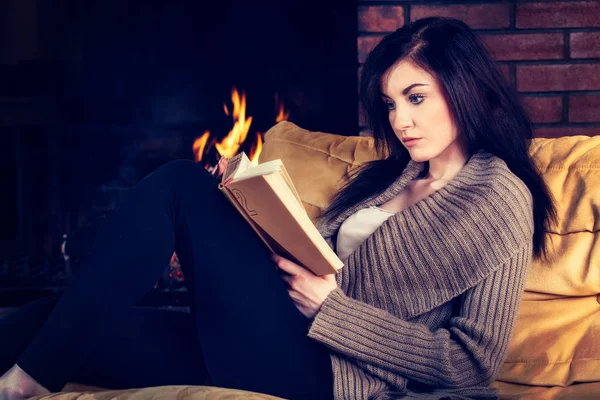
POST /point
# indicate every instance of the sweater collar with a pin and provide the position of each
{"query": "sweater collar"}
(410, 172)
(446, 243)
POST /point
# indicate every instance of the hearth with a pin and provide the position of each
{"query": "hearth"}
(114, 89)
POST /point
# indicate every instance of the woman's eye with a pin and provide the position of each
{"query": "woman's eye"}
(416, 98)
(390, 105)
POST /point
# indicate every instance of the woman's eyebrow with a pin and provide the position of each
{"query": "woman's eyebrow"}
(405, 91)
(412, 86)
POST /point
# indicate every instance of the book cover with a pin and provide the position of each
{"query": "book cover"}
(266, 198)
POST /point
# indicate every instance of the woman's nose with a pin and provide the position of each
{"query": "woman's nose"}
(402, 120)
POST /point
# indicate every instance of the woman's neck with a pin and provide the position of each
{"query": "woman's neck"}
(447, 165)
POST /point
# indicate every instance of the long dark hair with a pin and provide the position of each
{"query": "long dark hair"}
(485, 108)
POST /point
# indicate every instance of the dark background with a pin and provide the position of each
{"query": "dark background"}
(94, 95)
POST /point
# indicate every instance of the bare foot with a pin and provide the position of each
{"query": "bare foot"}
(17, 384)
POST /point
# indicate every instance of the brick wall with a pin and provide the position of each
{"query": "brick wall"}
(549, 51)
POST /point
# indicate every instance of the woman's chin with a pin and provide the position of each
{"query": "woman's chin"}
(418, 157)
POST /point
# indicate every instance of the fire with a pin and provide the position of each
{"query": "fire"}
(230, 145)
(199, 145)
(282, 116)
(256, 149)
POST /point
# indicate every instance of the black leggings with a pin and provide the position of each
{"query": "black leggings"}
(244, 332)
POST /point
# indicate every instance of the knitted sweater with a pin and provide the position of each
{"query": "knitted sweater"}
(425, 306)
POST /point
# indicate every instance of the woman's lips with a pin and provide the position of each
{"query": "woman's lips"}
(411, 142)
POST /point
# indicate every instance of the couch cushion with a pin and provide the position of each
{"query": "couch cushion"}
(555, 339)
(159, 393)
(556, 336)
(580, 391)
(571, 168)
(316, 161)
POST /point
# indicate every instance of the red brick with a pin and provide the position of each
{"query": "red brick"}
(543, 109)
(380, 18)
(530, 46)
(577, 14)
(584, 108)
(585, 44)
(476, 16)
(544, 78)
(554, 132)
(365, 45)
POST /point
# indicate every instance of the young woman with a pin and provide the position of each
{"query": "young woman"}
(436, 239)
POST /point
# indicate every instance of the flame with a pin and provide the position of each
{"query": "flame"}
(230, 145)
(283, 115)
(256, 149)
(199, 145)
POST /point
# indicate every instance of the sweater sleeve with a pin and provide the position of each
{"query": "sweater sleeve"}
(467, 351)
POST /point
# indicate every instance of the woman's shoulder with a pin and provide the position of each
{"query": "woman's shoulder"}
(492, 192)
(491, 175)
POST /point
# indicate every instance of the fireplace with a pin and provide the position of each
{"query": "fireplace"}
(109, 91)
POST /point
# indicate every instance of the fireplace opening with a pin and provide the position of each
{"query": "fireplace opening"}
(96, 95)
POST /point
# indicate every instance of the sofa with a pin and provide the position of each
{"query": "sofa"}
(555, 349)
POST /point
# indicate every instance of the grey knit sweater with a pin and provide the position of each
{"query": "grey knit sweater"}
(425, 306)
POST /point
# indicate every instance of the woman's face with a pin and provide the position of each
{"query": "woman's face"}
(417, 109)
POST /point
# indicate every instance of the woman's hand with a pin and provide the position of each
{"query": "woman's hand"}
(307, 290)
(218, 170)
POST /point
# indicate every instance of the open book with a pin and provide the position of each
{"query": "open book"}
(268, 200)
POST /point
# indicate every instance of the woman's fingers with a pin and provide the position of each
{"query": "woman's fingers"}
(288, 266)
(219, 169)
(287, 279)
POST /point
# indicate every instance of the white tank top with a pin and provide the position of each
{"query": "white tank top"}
(358, 227)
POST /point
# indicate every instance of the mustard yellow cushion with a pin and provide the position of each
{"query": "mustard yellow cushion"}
(316, 161)
(579, 391)
(571, 168)
(557, 335)
(157, 393)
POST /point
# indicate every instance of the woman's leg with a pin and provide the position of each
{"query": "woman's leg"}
(149, 348)
(251, 334)
(19, 328)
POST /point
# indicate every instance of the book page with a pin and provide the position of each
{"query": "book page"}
(236, 165)
(267, 198)
(271, 204)
(268, 168)
(285, 193)
(261, 169)
(288, 181)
